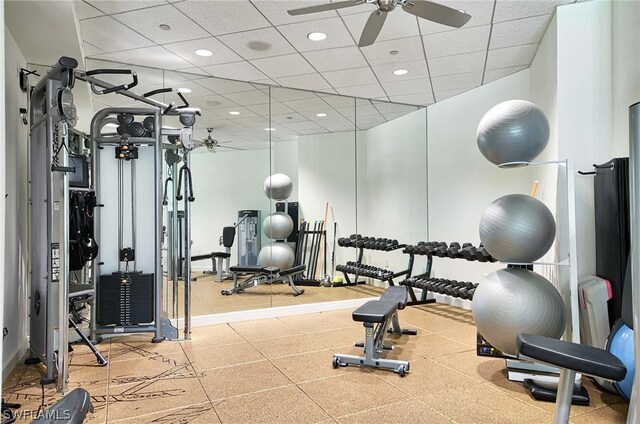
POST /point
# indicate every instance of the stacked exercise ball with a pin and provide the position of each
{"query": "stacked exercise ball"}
(278, 225)
(513, 133)
(516, 229)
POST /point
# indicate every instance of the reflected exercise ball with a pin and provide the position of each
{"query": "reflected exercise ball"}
(517, 228)
(277, 226)
(515, 300)
(513, 132)
(280, 255)
(278, 187)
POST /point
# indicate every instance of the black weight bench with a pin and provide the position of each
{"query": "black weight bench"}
(378, 318)
(264, 275)
(571, 358)
(71, 409)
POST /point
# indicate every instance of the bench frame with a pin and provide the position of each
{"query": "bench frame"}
(267, 275)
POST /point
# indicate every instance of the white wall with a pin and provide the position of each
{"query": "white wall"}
(462, 183)
(15, 303)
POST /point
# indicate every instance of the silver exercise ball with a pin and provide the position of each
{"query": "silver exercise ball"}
(280, 255)
(515, 132)
(277, 226)
(278, 187)
(515, 300)
(517, 228)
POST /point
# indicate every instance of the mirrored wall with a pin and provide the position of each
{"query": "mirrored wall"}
(355, 166)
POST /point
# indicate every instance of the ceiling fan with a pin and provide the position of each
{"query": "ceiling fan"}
(421, 8)
(211, 143)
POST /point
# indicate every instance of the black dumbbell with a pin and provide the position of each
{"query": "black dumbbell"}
(483, 256)
(469, 253)
(453, 249)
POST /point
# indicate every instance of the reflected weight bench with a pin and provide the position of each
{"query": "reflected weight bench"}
(264, 275)
(570, 358)
(379, 317)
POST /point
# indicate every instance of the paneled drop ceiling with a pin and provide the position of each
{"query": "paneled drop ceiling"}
(257, 41)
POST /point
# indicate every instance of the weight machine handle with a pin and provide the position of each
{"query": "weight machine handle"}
(114, 72)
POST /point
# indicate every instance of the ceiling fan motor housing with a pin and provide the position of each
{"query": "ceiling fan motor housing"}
(386, 5)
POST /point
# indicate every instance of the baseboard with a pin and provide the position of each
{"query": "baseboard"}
(447, 300)
(15, 359)
(275, 312)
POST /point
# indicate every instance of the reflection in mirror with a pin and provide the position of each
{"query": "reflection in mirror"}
(335, 151)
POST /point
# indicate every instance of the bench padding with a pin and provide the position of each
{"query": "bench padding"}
(293, 270)
(250, 269)
(584, 359)
(396, 294)
(376, 311)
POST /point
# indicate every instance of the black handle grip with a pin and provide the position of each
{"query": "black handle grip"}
(57, 168)
(186, 103)
(109, 71)
(169, 108)
(123, 86)
(158, 91)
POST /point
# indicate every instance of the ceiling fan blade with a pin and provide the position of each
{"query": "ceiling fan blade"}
(324, 7)
(372, 28)
(437, 13)
(229, 147)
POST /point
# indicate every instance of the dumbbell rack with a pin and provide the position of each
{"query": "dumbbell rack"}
(453, 288)
(359, 269)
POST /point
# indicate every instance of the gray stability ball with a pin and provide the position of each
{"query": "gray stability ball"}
(280, 255)
(513, 132)
(278, 187)
(515, 300)
(517, 228)
(277, 226)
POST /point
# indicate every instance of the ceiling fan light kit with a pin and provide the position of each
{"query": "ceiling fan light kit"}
(424, 9)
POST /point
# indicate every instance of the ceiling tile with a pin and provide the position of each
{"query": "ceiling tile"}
(224, 17)
(304, 126)
(494, 74)
(398, 24)
(327, 110)
(393, 115)
(283, 66)
(254, 121)
(117, 6)
(398, 88)
(276, 11)
(214, 102)
(357, 9)
(276, 108)
(511, 56)
(441, 95)
(194, 73)
(414, 99)
(268, 39)
(335, 59)
(263, 84)
(367, 122)
(522, 31)
(156, 57)
(318, 130)
(417, 69)
(350, 77)
(408, 49)
(85, 10)
(243, 71)
(388, 107)
(90, 50)
(457, 42)
(347, 105)
(224, 112)
(451, 82)
(187, 51)
(244, 98)
(480, 12)
(363, 108)
(308, 82)
(110, 35)
(286, 94)
(288, 118)
(516, 9)
(147, 22)
(369, 90)
(223, 86)
(457, 64)
(337, 34)
(196, 89)
(313, 104)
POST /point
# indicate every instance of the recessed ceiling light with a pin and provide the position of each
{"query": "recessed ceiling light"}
(269, 129)
(233, 112)
(317, 36)
(400, 72)
(184, 90)
(321, 115)
(165, 27)
(204, 52)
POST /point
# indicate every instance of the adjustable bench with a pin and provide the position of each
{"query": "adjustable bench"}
(571, 358)
(377, 316)
(264, 275)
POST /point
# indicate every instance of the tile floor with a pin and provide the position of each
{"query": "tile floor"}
(279, 370)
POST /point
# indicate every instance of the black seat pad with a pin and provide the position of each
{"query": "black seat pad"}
(250, 269)
(375, 311)
(271, 270)
(584, 359)
(201, 257)
(221, 255)
(396, 294)
(293, 270)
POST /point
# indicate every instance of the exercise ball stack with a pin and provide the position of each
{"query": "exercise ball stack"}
(278, 225)
(516, 229)
(513, 133)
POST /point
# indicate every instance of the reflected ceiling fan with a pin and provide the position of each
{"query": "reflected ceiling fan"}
(421, 8)
(212, 144)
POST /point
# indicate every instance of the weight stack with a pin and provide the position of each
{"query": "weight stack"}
(123, 304)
